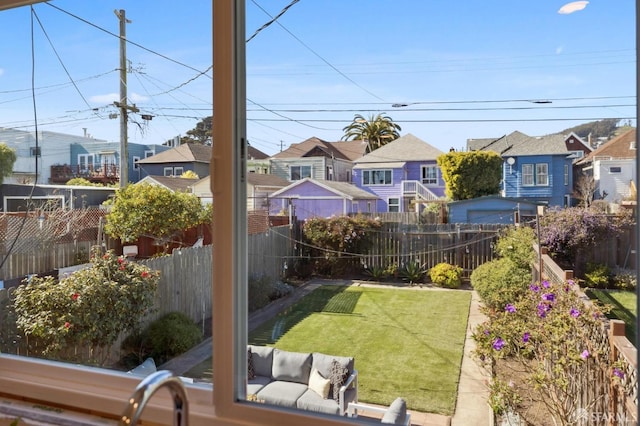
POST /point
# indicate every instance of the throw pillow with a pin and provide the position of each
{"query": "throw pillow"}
(251, 370)
(337, 375)
(396, 413)
(319, 384)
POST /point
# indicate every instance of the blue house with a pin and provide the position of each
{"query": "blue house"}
(537, 169)
(403, 174)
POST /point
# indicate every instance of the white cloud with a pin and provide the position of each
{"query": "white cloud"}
(559, 50)
(574, 6)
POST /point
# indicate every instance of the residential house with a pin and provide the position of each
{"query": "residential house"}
(37, 153)
(25, 197)
(176, 161)
(259, 189)
(613, 167)
(174, 183)
(99, 161)
(308, 198)
(318, 159)
(403, 174)
(538, 169)
(257, 161)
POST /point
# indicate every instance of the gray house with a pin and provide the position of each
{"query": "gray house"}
(176, 161)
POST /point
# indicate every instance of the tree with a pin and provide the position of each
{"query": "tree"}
(585, 189)
(201, 134)
(377, 131)
(470, 174)
(153, 211)
(7, 160)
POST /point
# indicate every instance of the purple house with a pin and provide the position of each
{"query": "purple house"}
(308, 198)
(403, 174)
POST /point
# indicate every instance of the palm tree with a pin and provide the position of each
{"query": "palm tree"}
(377, 131)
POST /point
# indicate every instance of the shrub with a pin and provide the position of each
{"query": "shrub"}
(624, 279)
(546, 335)
(89, 308)
(260, 289)
(171, 335)
(378, 273)
(516, 244)
(280, 289)
(499, 282)
(413, 272)
(597, 275)
(446, 275)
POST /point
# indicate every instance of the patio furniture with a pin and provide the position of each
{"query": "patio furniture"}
(395, 414)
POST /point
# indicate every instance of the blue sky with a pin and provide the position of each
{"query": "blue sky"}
(469, 67)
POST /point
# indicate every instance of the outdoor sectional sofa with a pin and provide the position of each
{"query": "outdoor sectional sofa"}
(306, 381)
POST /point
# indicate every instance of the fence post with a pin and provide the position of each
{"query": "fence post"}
(616, 328)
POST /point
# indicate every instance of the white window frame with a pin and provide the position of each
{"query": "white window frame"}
(371, 177)
(149, 153)
(87, 160)
(301, 168)
(35, 151)
(536, 174)
(429, 175)
(528, 178)
(395, 206)
(542, 177)
(136, 166)
(104, 391)
(615, 170)
(178, 171)
(167, 171)
(566, 174)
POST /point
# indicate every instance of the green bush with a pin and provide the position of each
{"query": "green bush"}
(624, 279)
(413, 272)
(516, 243)
(446, 275)
(260, 289)
(597, 275)
(171, 335)
(499, 282)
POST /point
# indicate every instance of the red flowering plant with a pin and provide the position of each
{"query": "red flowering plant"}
(544, 339)
(89, 308)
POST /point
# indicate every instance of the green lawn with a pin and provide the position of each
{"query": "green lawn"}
(623, 307)
(406, 343)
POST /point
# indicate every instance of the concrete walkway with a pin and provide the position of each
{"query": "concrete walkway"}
(471, 406)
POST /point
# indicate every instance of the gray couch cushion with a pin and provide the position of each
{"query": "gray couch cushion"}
(322, 363)
(284, 394)
(291, 366)
(256, 384)
(396, 414)
(311, 401)
(262, 359)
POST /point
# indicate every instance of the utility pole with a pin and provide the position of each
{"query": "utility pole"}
(124, 108)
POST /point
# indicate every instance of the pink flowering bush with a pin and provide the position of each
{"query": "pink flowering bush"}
(544, 336)
(89, 308)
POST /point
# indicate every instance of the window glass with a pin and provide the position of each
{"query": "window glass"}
(394, 205)
(376, 177)
(430, 175)
(542, 176)
(300, 172)
(527, 175)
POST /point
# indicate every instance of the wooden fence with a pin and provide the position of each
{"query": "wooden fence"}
(616, 401)
(465, 245)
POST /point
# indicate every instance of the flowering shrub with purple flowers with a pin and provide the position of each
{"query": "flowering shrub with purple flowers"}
(545, 336)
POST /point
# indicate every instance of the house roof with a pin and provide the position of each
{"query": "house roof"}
(517, 143)
(255, 153)
(314, 147)
(262, 179)
(185, 153)
(173, 183)
(617, 148)
(405, 148)
(342, 189)
(389, 165)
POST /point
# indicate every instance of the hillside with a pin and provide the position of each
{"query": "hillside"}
(605, 129)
